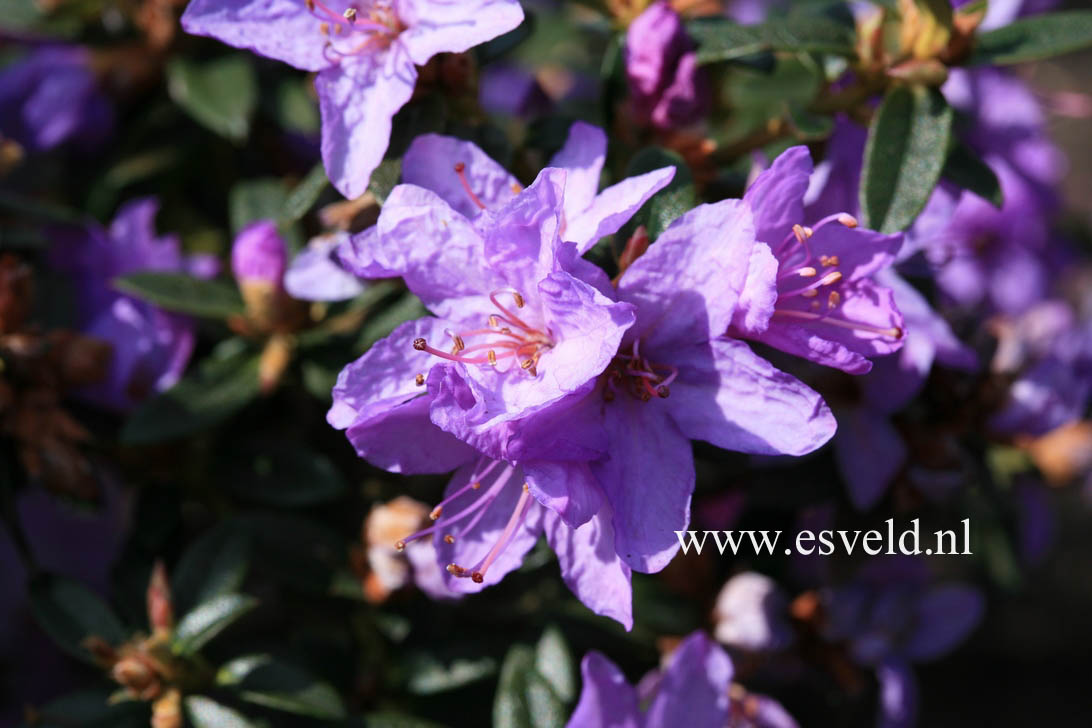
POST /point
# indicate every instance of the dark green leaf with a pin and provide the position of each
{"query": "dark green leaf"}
(219, 94)
(207, 713)
(391, 719)
(304, 195)
(967, 170)
(291, 475)
(720, 39)
(298, 552)
(1033, 39)
(295, 107)
(671, 201)
(214, 564)
(384, 178)
(266, 681)
(525, 699)
(905, 153)
(70, 613)
(90, 709)
(219, 389)
(209, 619)
(183, 293)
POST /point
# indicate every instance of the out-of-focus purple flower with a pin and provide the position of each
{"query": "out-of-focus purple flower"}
(62, 540)
(51, 96)
(316, 273)
(692, 689)
(151, 347)
(513, 91)
(667, 87)
(366, 55)
(1048, 350)
(1003, 12)
(751, 613)
(828, 307)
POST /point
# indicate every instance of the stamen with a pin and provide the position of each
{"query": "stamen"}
(517, 516)
(833, 299)
(810, 293)
(436, 512)
(492, 355)
(807, 272)
(848, 220)
(460, 170)
(350, 14)
(449, 539)
(894, 332)
(419, 380)
(831, 278)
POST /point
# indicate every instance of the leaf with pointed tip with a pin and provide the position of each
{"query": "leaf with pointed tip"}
(207, 713)
(272, 683)
(907, 146)
(967, 170)
(70, 613)
(209, 619)
(214, 564)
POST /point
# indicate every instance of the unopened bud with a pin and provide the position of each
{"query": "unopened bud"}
(276, 356)
(167, 710)
(160, 611)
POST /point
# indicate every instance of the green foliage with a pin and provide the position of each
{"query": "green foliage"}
(967, 170)
(670, 202)
(272, 683)
(70, 613)
(1034, 38)
(220, 94)
(182, 293)
(208, 619)
(905, 154)
(723, 40)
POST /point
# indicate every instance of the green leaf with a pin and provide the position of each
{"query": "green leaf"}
(525, 699)
(720, 39)
(219, 389)
(670, 202)
(392, 719)
(1033, 39)
(213, 565)
(905, 153)
(429, 675)
(305, 194)
(384, 178)
(70, 613)
(266, 681)
(554, 661)
(295, 108)
(208, 619)
(207, 713)
(183, 293)
(967, 170)
(219, 94)
(291, 475)
(90, 709)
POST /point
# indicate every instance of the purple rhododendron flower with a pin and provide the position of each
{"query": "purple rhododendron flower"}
(667, 87)
(366, 53)
(474, 183)
(891, 615)
(151, 346)
(258, 254)
(693, 688)
(675, 378)
(51, 96)
(316, 273)
(828, 308)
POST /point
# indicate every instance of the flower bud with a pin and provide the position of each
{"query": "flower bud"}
(167, 710)
(160, 611)
(258, 260)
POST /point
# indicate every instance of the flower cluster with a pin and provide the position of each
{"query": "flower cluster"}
(502, 351)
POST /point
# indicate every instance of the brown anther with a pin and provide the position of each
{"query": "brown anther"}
(419, 380)
(399, 545)
(494, 322)
(350, 14)
(324, 28)
(833, 299)
(419, 344)
(518, 299)
(455, 570)
(848, 220)
(492, 357)
(831, 278)
(449, 539)
(811, 293)
(527, 364)
(808, 271)
(477, 577)
(477, 485)
(516, 189)
(338, 29)
(645, 396)
(436, 512)
(526, 487)
(798, 231)
(310, 4)
(460, 168)
(664, 391)
(899, 333)
(808, 232)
